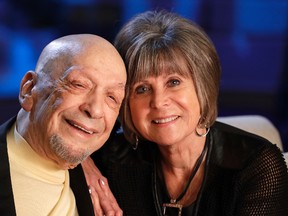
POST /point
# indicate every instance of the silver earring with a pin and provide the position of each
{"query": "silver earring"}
(135, 146)
(204, 134)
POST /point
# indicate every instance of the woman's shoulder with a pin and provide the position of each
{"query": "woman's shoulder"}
(232, 134)
(235, 147)
(250, 168)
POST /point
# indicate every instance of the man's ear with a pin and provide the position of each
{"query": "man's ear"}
(25, 95)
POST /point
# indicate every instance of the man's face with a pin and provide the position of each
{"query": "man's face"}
(75, 115)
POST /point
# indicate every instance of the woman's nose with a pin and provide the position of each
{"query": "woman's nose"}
(159, 99)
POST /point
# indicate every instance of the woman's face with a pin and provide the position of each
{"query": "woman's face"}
(165, 109)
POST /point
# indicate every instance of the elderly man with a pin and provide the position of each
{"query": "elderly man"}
(69, 105)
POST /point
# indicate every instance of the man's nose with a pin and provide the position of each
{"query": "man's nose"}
(93, 107)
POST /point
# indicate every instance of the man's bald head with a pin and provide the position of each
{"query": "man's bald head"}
(60, 53)
(72, 99)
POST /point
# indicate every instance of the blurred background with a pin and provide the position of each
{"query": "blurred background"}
(250, 36)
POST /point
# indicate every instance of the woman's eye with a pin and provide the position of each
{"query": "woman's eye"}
(141, 89)
(174, 82)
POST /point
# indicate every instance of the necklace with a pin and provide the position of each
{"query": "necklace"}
(174, 202)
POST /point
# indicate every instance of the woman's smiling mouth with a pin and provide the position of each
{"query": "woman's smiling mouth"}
(165, 120)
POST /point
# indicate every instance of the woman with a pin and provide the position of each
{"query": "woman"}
(181, 161)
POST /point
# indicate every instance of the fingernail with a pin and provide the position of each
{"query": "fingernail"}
(102, 182)
(89, 189)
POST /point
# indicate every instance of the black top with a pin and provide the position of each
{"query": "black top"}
(244, 175)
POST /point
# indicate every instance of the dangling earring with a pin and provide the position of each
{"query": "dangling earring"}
(205, 126)
(204, 134)
(135, 146)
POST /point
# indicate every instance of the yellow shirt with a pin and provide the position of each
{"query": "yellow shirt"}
(40, 188)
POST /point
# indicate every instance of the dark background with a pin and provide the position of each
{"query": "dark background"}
(250, 36)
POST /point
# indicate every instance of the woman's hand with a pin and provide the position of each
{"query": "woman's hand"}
(103, 200)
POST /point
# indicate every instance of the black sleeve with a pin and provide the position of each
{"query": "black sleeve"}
(264, 187)
(80, 189)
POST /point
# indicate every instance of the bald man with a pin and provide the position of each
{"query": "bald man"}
(69, 105)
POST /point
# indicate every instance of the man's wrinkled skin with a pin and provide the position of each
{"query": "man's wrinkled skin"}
(71, 101)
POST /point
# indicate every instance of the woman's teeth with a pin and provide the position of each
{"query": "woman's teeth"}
(162, 121)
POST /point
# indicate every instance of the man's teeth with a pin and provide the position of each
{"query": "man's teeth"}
(161, 121)
(83, 129)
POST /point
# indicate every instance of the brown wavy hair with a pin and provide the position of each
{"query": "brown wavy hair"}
(157, 41)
